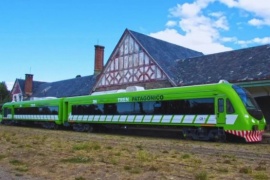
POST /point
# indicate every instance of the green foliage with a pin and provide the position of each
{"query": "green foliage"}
(127, 168)
(4, 93)
(245, 170)
(87, 146)
(20, 166)
(185, 156)
(201, 175)
(223, 169)
(2, 156)
(16, 162)
(144, 156)
(260, 176)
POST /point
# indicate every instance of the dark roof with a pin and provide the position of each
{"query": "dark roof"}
(250, 64)
(36, 84)
(72, 87)
(164, 53)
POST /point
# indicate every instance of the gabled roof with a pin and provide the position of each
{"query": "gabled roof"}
(250, 64)
(160, 54)
(36, 84)
(72, 87)
(164, 53)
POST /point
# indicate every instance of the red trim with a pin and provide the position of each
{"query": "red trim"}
(250, 136)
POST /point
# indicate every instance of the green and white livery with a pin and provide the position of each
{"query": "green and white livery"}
(204, 112)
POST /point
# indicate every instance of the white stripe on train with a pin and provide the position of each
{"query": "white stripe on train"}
(173, 119)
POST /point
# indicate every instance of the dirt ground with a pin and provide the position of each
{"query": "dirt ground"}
(32, 153)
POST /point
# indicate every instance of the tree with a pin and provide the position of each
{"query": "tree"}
(4, 93)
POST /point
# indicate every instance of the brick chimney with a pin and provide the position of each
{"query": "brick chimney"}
(99, 58)
(28, 86)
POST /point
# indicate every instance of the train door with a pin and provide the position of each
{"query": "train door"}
(220, 110)
(65, 112)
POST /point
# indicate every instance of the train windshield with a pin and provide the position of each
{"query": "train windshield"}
(249, 102)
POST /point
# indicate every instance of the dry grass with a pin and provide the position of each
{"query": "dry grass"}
(78, 156)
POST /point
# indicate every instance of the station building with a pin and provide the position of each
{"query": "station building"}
(141, 60)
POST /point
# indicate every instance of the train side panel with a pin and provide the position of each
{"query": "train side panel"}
(215, 106)
(47, 110)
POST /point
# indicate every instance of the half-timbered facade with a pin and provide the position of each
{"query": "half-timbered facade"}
(135, 61)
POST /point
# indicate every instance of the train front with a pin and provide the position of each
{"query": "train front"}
(252, 123)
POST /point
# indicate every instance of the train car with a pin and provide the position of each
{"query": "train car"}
(47, 112)
(203, 112)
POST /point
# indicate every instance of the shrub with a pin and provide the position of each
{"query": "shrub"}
(245, 170)
(201, 175)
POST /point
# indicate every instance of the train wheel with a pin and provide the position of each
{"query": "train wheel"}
(217, 135)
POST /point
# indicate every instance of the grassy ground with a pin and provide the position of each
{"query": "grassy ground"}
(46, 154)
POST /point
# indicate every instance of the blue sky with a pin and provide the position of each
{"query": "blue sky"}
(54, 39)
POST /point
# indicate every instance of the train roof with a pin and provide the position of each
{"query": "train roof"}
(221, 85)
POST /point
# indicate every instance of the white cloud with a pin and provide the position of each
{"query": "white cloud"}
(196, 27)
(9, 85)
(259, 8)
(230, 3)
(171, 23)
(221, 23)
(196, 41)
(265, 40)
(229, 39)
(201, 32)
(216, 14)
(256, 22)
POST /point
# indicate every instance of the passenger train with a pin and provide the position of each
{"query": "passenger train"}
(201, 112)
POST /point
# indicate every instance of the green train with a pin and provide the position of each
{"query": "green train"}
(201, 112)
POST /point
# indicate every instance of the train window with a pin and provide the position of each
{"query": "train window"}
(98, 108)
(148, 107)
(158, 107)
(48, 110)
(229, 107)
(110, 109)
(87, 109)
(191, 106)
(138, 108)
(125, 108)
(177, 107)
(202, 106)
(187, 106)
(220, 105)
(7, 111)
